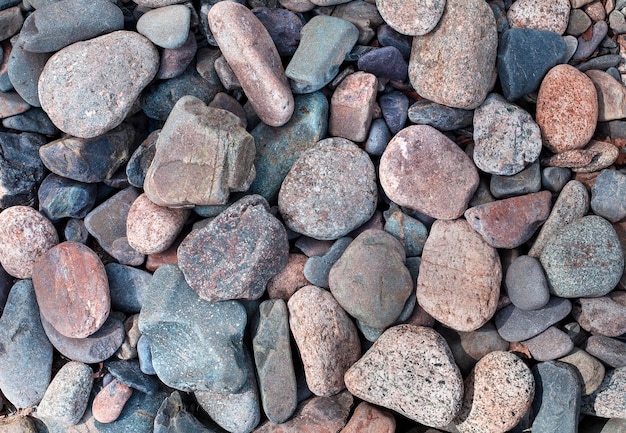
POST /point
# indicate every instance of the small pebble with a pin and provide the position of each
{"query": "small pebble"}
(24, 71)
(579, 21)
(174, 61)
(611, 93)
(352, 106)
(60, 197)
(388, 37)
(540, 15)
(591, 371)
(283, 26)
(587, 47)
(603, 315)
(411, 18)
(378, 138)
(109, 402)
(394, 106)
(555, 178)
(34, 120)
(166, 27)
(364, 15)
(608, 195)
(145, 356)
(386, 62)
(610, 351)
(128, 349)
(409, 231)
(526, 181)
(173, 417)
(368, 418)
(549, 345)
(317, 268)
(526, 284)
(514, 324)
(439, 116)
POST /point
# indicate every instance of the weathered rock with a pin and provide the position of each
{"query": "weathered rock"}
(608, 195)
(283, 26)
(604, 315)
(604, 155)
(610, 351)
(24, 71)
(12, 104)
(127, 286)
(21, 169)
(60, 197)
(611, 96)
(439, 116)
(540, 15)
(172, 416)
(352, 106)
(175, 61)
(128, 349)
(460, 276)
(289, 279)
(34, 120)
(410, 369)
(370, 419)
(11, 20)
(557, 398)
(525, 182)
(591, 371)
(130, 374)
(411, 18)
(139, 162)
(518, 325)
(317, 268)
(609, 400)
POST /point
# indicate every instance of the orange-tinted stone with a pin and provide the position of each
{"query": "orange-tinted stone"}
(109, 402)
(370, 419)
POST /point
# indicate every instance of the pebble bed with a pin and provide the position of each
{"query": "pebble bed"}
(290, 216)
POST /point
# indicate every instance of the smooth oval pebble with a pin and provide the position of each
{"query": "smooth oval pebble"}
(251, 53)
(567, 109)
(498, 393)
(514, 324)
(526, 283)
(602, 316)
(151, 229)
(72, 289)
(410, 370)
(25, 235)
(167, 26)
(591, 370)
(549, 345)
(584, 260)
(424, 170)
(413, 17)
(86, 104)
(329, 191)
(109, 402)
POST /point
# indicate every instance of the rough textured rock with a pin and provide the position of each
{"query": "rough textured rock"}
(460, 275)
(411, 18)
(608, 195)
(127, 286)
(604, 315)
(289, 279)
(24, 70)
(440, 178)
(540, 15)
(609, 400)
(370, 419)
(452, 71)
(439, 116)
(430, 391)
(235, 255)
(370, 280)
(557, 398)
(610, 351)
(498, 393)
(72, 289)
(352, 106)
(60, 197)
(21, 169)
(326, 338)
(591, 371)
(172, 416)
(86, 104)
(329, 191)
(518, 325)
(202, 155)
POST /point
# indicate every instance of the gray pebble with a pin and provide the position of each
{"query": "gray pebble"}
(526, 284)
(557, 398)
(317, 268)
(514, 324)
(610, 351)
(549, 345)
(608, 195)
(525, 182)
(555, 178)
(378, 138)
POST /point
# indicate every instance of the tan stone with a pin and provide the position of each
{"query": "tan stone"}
(604, 155)
(591, 370)
(370, 419)
(291, 278)
(352, 105)
(550, 15)
(460, 275)
(611, 95)
(411, 17)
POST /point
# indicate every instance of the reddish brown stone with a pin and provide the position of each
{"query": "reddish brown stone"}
(351, 106)
(291, 278)
(316, 415)
(605, 154)
(510, 222)
(370, 419)
(569, 158)
(602, 316)
(420, 317)
(12, 104)
(109, 402)
(72, 289)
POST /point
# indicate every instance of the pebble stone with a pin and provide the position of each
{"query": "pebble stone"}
(385, 62)
(411, 233)
(547, 15)
(12, 104)
(370, 280)
(11, 21)
(434, 67)
(506, 138)
(610, 351)
(130, 373)
(592, 241)
(498, 393)
(460, 275)
(128, 349)
(368, 418)
(330, 206)
(127, 286)
(25, 235)
(284, 27)
(109, 402)
(317, 268)
(352, 106)
(67, 396)
(235, 255)
(175, 61)
(549, 345)
(411, 18)
(578, 22)
(440, 179)
(611, 95)
(603, 315)
(363, 15)
(609, 400)
(591, 371)
(152, 229)
(567, 109)
(608, 195)
(604, 155)
(525, 182)
(34, 120)
(289, 279)
(326, 338)
(84, 104)
(60, 197)
(555, 178)
(388, 37)
(394, 106)
(430, 391)
(24, 71)
(173, 417)
(251, 53)
(166, 27)
(16, 424)
(557, 398)
(586, 47)
(439, 116)
(526, 283)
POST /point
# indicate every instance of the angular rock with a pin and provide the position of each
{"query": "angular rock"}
(604, 315)
(409, 231)
(24, 71)
(609, 400)
(326, 338)
(128, 349)
(608, 195)
(34, 120)
(21, 169)
(289, 279)
(172, 416)
(140, 160)
(26, 353)
(352, 106)
(526, 284)
(585, 259)
(331, 205)
(209, 333)
(439, 116)
(60, 197)
(410, 369)
(435, 69)
(440, 179)
(546, 15)
(130, 374)
(514, 324)
(549, 345)
(590, 370)
(167, 26)
(87, 104)
(109, 402)
(127, 286)
(557, 398)
(460, 276)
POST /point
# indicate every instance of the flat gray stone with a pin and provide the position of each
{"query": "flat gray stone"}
(514, 324)
(608, 195)
(557, 398)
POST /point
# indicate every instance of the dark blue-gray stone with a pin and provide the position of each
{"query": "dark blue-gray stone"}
(137, 416)
(363, 14)
(514, 324)
(129, 373)
(173, 417)
(524, 182)
(587, 47)
(439, 116)
(24, 69)
(75, 231)
(524, 58)
(99, 346)
(608, 195)
(615, 73)
(277, 149)
(213, 211)
(159, 99)
(413, 265)
(353, 56)
(127, 286)
(89, 160)
(25, 352)
(601, 62)
(283, 26)
(613, 129)
(59, 24)
(317, 268)
(5, 82)
(145, 356)
(196, 345)
(410, 232)
(6, 282)
(60, 197)
(557, 398)
(378, 138)
(502, 23)
(395, 106)
(34, 120)
(388, 37)
(5, 4)
(140, 160)
(386, 62)
(555, 178)
(21, 169)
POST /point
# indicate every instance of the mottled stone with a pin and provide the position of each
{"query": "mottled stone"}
(370, 419)
(109, 402)
(411, 18)
(202, 155)
(435, 69)
(329, 191)
(526, 284)
(460, 276)
(128, 349)
(326, 338)
(11, 21)
(549, 345)
(173, 417)
(352, 106)
(289, 279)
(429, 392)
(25, 235)
(591, 371)
(167, 26)
(317, 268)
(60, 197)
(412, 233)
(363, 14)
(26, 353)
(557, 398)
(604, 315)
(609, 400)
(514, 324)
(578, 22)
(21, 169)
(604, 155)
(608, 195)
(139, 162)
(611, 96)
(439, 116)
(130, 373)
(440, 179)
(12, 104)
(610, 351)
(567, 109)
(175, 61)
(498, 393)
(86, 104)
(583, 259)
(540, 15)
(17, 424)
(67, 396)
